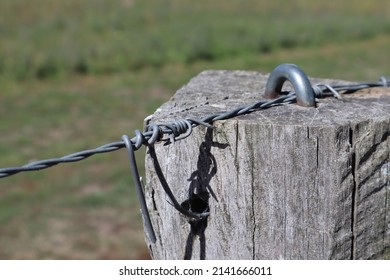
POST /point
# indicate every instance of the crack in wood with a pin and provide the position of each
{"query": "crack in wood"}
(354, 194)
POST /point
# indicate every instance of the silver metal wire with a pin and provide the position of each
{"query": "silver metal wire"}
(138, 187)
(180, 129)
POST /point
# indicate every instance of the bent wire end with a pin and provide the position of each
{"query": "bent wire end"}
(139, 189)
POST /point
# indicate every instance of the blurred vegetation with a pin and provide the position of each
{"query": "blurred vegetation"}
(44, 38)
(76, 74)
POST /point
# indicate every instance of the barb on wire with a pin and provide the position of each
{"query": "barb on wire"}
(181, 129)
(176, 130)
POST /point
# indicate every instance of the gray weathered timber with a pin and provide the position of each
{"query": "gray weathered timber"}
(290, 182)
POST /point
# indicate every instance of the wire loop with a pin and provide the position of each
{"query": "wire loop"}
(139, 139)
(156, 133)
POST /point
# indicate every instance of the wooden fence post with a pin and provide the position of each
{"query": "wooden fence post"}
(289, 182)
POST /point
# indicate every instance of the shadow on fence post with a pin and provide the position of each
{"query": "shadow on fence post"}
(291, 182)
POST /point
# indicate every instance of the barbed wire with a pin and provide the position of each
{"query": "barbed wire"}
(176, 130)
(182, 128)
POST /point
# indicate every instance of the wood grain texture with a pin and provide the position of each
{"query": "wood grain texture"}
(290, 182)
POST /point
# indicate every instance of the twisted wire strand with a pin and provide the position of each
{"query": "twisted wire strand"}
(42, 164)
(180, 129)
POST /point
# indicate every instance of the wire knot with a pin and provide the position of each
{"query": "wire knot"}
(176, 130)
(325, 90)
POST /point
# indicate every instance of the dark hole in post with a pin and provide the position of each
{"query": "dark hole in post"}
(197, 203)
(199, 193)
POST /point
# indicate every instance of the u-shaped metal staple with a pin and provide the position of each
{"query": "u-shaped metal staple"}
(298, 79)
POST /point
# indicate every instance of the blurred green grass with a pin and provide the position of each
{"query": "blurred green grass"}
(78, 74)
(49, 37)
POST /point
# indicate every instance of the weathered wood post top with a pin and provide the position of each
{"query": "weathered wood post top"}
(288, 182)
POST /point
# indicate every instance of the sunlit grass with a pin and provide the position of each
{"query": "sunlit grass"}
(51, 38)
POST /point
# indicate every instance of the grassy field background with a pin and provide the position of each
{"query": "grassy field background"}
(78, 74)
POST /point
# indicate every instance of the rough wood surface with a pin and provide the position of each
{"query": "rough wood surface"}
(290, 182)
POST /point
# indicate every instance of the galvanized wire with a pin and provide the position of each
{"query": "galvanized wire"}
(180, 129)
